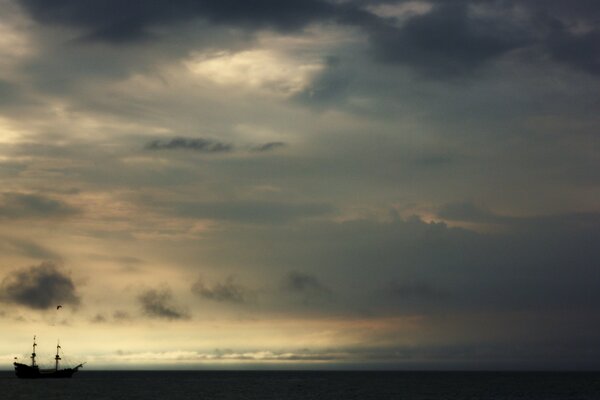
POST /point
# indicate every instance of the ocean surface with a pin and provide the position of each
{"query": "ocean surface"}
(284, 385)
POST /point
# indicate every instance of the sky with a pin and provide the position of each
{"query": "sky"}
(301, 184)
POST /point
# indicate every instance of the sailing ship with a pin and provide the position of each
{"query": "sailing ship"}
(33, 371)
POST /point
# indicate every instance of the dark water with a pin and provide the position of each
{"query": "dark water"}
(212, 385)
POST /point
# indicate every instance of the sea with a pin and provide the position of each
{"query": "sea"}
(306, 385)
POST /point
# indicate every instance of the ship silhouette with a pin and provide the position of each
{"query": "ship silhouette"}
(33, 371)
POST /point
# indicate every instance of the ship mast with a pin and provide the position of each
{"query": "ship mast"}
(57, 358)
(33, 354)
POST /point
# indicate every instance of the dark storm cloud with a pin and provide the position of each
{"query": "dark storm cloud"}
(159, 304)
(227, 291)
(450, 40)
(587, 9)
(39, 287)
(21, 205)
(581, 51)
(115, 21)
(252, 211)
(445, 41)
(196, 144)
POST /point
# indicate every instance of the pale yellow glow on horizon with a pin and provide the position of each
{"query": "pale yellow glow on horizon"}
(200, 342)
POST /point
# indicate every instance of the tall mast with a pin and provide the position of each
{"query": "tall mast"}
(57, 358)
(33, 354)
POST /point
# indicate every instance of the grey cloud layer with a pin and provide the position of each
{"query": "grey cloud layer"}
(469, 212)
(436, 267)
(251, 211)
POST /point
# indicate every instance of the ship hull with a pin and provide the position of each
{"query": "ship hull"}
(28, 372)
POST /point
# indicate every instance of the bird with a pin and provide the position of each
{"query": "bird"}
(58, 306)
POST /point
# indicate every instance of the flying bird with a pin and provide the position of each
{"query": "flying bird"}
(58, 306)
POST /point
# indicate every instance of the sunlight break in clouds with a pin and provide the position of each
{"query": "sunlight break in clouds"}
(258, 69)
(9, 133)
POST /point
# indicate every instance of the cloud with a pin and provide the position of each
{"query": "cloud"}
(466, 211)
(118, 316)
(117, 22)
(159, 304)
(305, 284)
(121, 316)
(227, 355)
(207, 145)
(39, 287)
(329, 86)
(470, 212)
(268, 146)
(581, 51)
(20, 205)
(448, 39)
(444, 42)
(300, 282)
(252, 211)
(196, 144)
(536, 263)
(98, 319)
(227, 291)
